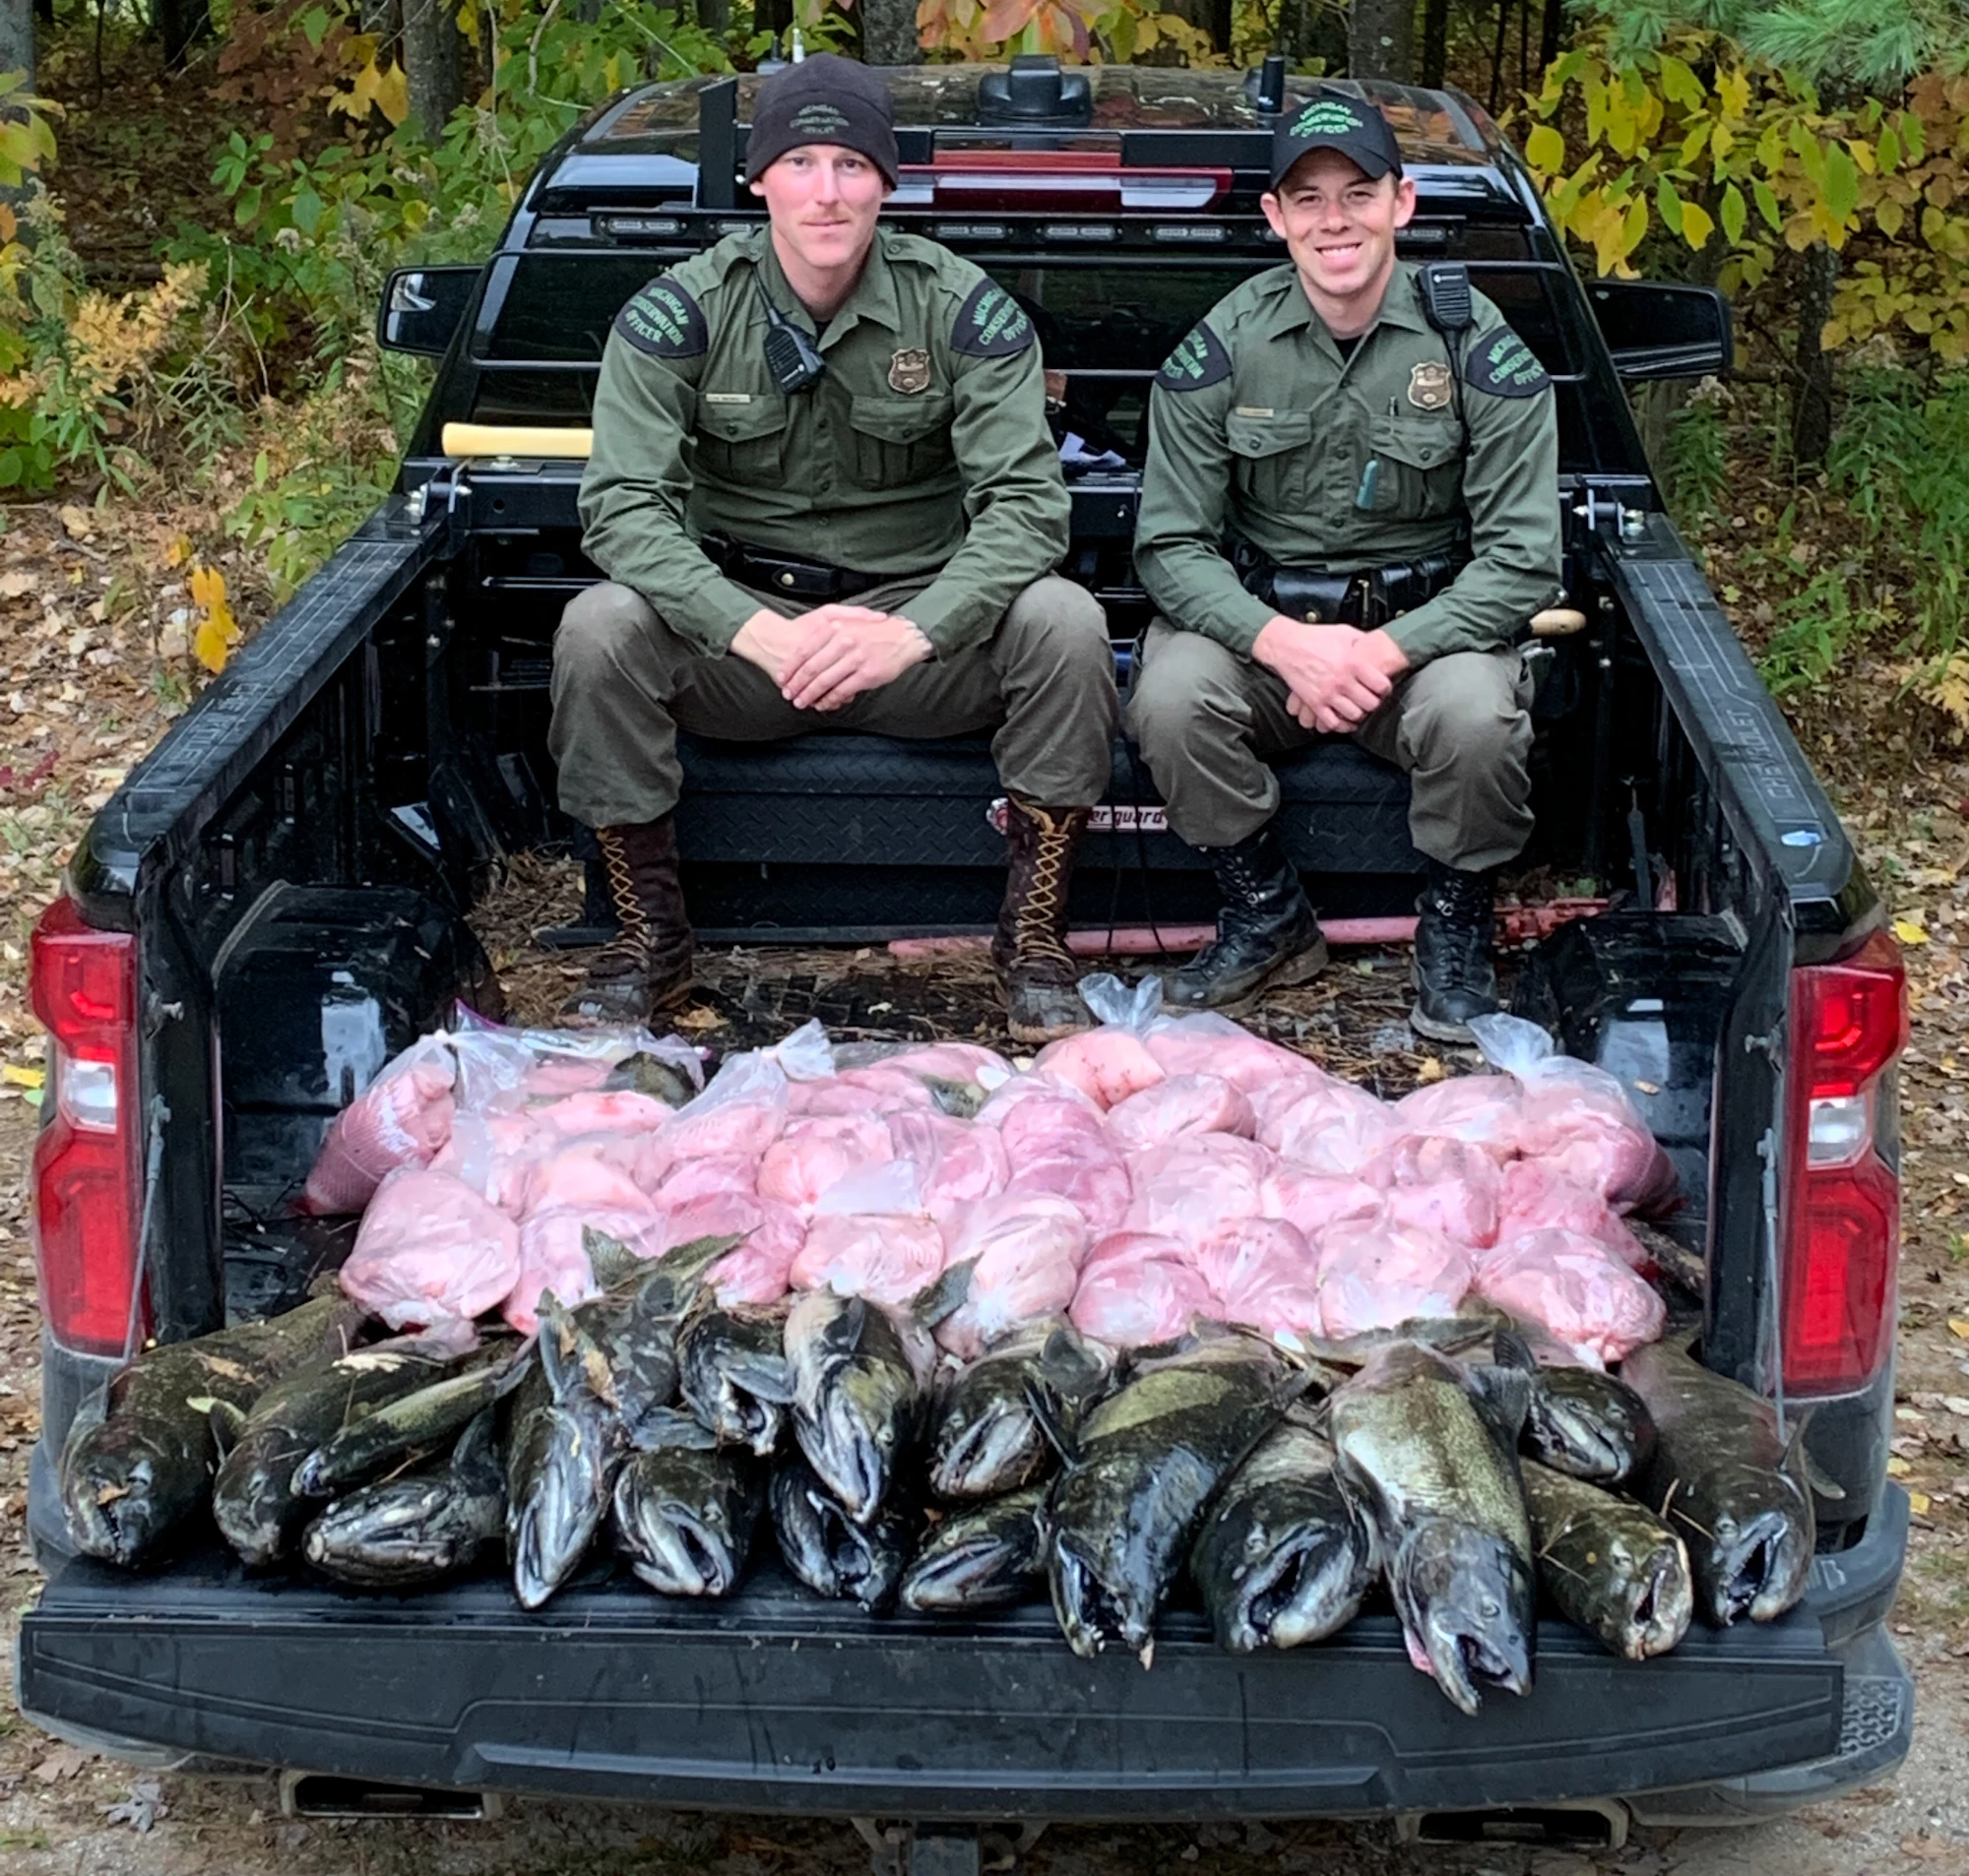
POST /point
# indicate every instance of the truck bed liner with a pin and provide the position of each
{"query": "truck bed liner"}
(775, 1700)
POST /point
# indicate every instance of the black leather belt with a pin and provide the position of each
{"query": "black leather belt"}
(1368, 599)
(770, 572)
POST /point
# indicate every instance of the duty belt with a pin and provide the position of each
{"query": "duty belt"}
(770, 572)
(1368, 599)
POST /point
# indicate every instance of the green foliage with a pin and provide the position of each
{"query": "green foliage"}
(1865, 43)
(1695, 470)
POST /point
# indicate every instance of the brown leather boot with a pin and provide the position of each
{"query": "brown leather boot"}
(646, 967)
(1036, 971)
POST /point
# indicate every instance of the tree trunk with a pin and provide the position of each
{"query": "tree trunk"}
(889, 33)
(44, 12)
(181, 24)
(714, 15)
(16, 39)
(1498, 56)
(1380, 41)
(1552, 29)
(433, 64)
(1434, 42)
(1811, 398)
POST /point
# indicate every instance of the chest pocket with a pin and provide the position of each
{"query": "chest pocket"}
(1269, 458)
(743, 442)
(1421, 477)
(894, 442)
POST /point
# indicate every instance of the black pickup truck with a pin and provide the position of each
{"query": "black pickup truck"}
(281, 896)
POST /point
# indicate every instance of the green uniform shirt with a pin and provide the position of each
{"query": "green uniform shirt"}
(1259, 425)
(924, 446)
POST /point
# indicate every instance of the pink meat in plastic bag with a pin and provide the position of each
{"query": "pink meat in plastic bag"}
(1311, 1201)
(496, 1156)
(1246, 1259)
(431, 1252)
(1189, 1189)
(1105, 1065)
(813, 1155)
(1381, 1275)
(1137, 1288)
(759, 1270)
(1536, 1198)
(1441, 1184)
(717, 1173)
(401, 1119)
(553, 1076)
(553, 1257)
(1060, 1148)
(1483, 1109)
(954, 1062)
(592, 1174)
(1331, 1127)
(956, 1162)
(1578, 1122)
(896, 1089)
(830, 1095)
(1008, 1098)
(741, 1112)
(618, 1111)
(1572, 1288)
(1212, 1045)
(1024, 1256)
(884, 1256)
(1178, 1106)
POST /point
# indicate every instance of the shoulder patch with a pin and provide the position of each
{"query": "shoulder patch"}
(1200, 361)
(664, 321)
(991, 323)
(1501, 363)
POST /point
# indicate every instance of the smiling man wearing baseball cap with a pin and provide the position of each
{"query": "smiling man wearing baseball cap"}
(824, 496)
(1382, 449)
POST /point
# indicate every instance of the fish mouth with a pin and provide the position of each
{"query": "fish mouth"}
(1659, 1615)
(1091, 1616)
(1465, 1662)
(1304, 1592)
(679, 1558)
(1761, 1572)
(1464, 1596)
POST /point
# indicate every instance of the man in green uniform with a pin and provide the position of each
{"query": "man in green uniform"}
(825, 497)
(1383, 453)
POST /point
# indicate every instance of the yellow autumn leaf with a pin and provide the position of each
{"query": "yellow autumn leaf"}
(1545, 148)
(1898, 1467)
(1918, 1503)
(1909, 932)
(17, 1077)
(1696, 227)
(393, 93)
(218, 631)
(1958, 1329)
(178, 552)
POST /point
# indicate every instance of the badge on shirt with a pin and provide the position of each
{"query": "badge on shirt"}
(1428, 387)
(1501, 363)
(909, 371)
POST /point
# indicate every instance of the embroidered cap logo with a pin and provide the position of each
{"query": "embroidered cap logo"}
(820, 121)
(1327, 117)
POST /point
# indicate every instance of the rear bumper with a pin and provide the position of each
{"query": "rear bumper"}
(773, 1702)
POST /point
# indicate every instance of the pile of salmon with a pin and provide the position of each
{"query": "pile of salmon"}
(1167, 1306)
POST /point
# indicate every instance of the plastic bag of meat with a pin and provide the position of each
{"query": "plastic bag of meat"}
(742, 1111)
(864, 1091)
(1572, 1288)
(1110, 1063)
(1442, 1185)
(1327, 1126)
(496, 1154)
(1015, 1260)
(401, 1119)
(888, 1257)
(1037, 1085)
(500, 1067)
(1577, 1118)
(1060, 1149)
(1137, 1288)
(1381, 1275)
(1263, 1273)
(1311, 1201)
(1187, 1189)
(554, 1261)
(955, 1162)
(760, 1268)
(619, 1111)
(813, 1155)
(430, 1253)
(714, 1173)
(1176, 1107)
(1211, 1044)
(599, 1173)
(1535, 1197)
(1482, 1111)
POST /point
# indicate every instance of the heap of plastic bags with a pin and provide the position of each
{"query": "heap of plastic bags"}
(1149, 1171)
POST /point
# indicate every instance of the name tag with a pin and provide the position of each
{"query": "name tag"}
(1255, 411)
(727, 397)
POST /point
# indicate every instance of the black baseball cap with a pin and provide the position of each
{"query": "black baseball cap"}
(824, 100)
(1332, 120)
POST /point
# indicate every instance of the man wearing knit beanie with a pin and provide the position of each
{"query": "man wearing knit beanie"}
(824, 496)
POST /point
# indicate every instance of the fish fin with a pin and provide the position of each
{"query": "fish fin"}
(1503, 1398)
(686, 1264)
(479, 1440)
(668, 1426)
(1800, 1463)
(944, 1296)
(227, 1422)
(609, 1257)
(1509, 1349)
(1046, 1412)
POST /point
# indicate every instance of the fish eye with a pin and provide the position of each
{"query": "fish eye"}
(1492, 1610)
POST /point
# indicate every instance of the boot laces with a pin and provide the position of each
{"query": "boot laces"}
(1039, 913)
(632, 943)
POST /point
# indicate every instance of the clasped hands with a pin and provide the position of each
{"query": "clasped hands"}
(823, 659)
(1335, 676)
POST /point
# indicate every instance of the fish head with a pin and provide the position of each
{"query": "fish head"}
(1571, 1438)
(1465, 1597)
(552, 1517)
(998, 1450)
(1092, 1612)
(112, 1496)
(1308, 1587)
(1760, 1561)
(1659, 1595)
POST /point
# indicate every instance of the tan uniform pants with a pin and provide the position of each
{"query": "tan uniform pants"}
(1211, 723)
(624, 683)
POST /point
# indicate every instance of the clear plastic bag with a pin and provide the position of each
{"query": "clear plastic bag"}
(1137, 1288)
(1381, 1275)
(1576, 1290)
(430, 1252)
(1021, 1258)
(402, 1118)
(813, 1155)
(1177, 1108)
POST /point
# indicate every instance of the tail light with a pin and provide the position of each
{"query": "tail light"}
(87, 1183)
(1842, 1208)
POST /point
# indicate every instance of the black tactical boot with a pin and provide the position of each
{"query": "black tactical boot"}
(1036, 971)
(646, 967)
(1267, 936)
(1454, 976)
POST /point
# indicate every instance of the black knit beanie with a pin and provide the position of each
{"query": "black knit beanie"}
(824, 100)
